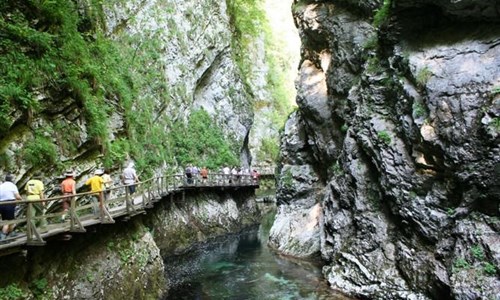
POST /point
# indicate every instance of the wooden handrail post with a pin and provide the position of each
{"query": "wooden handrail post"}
(75, 224)
(106, 218)
(29, 225)
(31, 228)
(143, 195)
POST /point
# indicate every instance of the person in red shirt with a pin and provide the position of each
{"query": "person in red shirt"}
(68, 188)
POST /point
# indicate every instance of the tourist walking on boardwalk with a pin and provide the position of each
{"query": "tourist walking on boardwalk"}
(129, 177)
(108, 182)
(196, 172)
(189, 174)
(227, 174)
(35, 188)
(234, 175)
(8, 192)
(68, 189)
(96, 186)
(255, 175)
(204, 175)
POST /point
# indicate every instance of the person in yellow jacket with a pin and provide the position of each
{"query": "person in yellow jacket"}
(96, 184)
(35, 188)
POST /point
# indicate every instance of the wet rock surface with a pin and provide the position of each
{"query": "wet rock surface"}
(398, 126)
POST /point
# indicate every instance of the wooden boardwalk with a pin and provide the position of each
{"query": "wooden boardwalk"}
(85, 212)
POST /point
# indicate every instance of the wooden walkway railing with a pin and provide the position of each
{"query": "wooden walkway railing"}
(83, 212)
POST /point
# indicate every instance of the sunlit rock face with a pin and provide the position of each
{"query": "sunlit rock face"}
(397, 139)
(194, 48)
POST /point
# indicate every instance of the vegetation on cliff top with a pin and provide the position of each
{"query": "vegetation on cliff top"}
(250, 24)
(59, 67)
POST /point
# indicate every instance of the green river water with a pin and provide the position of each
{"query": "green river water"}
(243, 267)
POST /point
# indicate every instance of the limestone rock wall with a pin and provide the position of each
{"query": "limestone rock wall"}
(178, 57)
(397, 139)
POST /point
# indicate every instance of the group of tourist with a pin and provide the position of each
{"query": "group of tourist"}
(229, 175)
(99, 184)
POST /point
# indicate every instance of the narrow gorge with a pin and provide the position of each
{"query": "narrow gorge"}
(386, 144)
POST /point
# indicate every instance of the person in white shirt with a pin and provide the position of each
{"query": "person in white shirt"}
(8, 192)
(129, 178)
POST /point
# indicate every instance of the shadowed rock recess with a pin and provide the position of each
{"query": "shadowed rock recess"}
(390, 167)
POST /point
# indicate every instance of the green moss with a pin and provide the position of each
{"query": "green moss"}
(344, 128)
(12, 292)
(461, 264)
(489, 268)
(371, 43)
(384, 137)
(201, 143)
(495, 124)
(287, 179)
(418, 109)
(495, 91)
(382, 15)
(40, 289)
(450, 211)
(336, 169)
(269, 149)
(424, 75)
(40, 151)
(477, 252)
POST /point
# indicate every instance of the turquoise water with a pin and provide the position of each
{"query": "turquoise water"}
(242, 267)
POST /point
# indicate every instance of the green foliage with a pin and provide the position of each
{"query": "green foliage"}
(477, 252)
(461, 264)
(40, 151)
(248, 18)
(48, 45)
(489, 268)
(269, 149)
(371, 43)
(373, 65)
(201, 143)
(126, 255)
(382, 15)
(287, 179)
(117, 152)
(423, 75)
(39, 288)
(384, 137)
(344, 128)
(495, 124)
(12, 292)
(337, 169)
(495, 91)
(450, 211)
(418, 109)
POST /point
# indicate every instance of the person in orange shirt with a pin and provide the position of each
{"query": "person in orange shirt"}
(204, 175)
(96, 187)
(68, 188)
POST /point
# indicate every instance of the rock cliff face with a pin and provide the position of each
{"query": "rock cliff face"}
(397, 141)
(95, 83)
